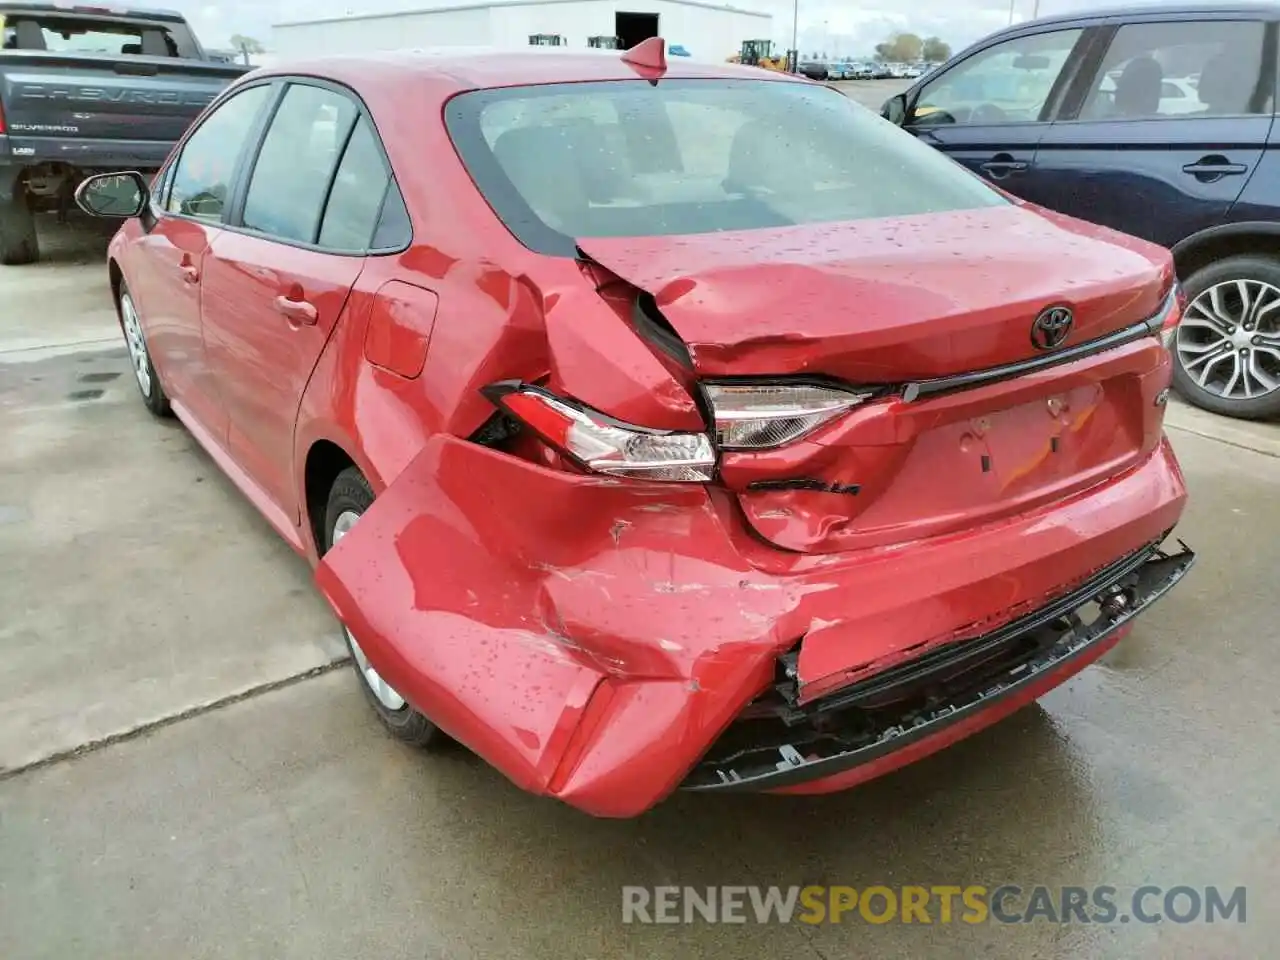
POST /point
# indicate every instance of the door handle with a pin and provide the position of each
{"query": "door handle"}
(1001, 165)
(298, 311)
(1214, 166)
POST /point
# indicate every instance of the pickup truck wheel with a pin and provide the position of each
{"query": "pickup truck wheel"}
(144, 371)
(349, 498)
(1226, 350)
(18, 244)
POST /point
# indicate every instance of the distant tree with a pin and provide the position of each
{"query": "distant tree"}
(247, 44)
(935, 51)
(900, 48)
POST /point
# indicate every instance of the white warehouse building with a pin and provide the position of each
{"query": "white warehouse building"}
(707, 29)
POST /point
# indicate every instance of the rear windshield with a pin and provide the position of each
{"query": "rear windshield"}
(114, 36)
(627, 158)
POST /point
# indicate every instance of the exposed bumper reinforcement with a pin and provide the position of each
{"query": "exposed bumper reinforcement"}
(785, 744)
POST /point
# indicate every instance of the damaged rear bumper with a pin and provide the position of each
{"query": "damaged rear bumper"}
(780, 743)
(599, 640)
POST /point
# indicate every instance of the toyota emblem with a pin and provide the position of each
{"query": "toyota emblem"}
(1051, 328)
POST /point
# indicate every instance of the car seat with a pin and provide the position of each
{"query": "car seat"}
(1227, 83)
(1138, 89)
(541, 164)
(755, 165)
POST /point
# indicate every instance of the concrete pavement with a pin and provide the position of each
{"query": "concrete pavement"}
(239, 806)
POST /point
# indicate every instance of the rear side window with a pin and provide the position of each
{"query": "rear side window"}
(1187, 69)
(358, 191)
(295, 166)
(202, 175)
(113, 36)
(626, 158)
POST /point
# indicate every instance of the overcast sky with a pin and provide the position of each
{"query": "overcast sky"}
(842, 26)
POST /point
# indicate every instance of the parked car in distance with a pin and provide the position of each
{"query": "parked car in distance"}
(839, 70)
(85, 89)
(813, 69)
(1156, 122)
(599, 472)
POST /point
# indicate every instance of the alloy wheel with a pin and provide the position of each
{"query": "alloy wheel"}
(1229, 340)
(137, 344)
(383, 691)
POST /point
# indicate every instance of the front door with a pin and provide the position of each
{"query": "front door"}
(166, 266)
(1165, 134)
(990, 110)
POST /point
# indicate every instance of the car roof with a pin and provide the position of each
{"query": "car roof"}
(1175, 11)
(480, 67)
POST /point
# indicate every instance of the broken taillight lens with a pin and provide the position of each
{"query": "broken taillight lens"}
(762, 416)
(1171, 315)
(602, 444)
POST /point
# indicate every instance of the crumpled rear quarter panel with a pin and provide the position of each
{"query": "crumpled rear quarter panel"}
(592, 637)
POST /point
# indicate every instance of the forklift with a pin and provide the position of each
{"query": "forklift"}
(759, 53)
(603, 43)
(546, 40)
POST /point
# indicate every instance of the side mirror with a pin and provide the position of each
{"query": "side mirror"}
(895, 109)
(114, 195)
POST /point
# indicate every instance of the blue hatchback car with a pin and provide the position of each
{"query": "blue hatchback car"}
(1157, 121)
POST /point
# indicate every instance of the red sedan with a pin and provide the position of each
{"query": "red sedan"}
(658, 426)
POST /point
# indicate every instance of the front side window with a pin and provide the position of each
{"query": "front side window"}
(202, 176)
(626, 158)
(295, 166)
(1006, 83)
(1205, 68)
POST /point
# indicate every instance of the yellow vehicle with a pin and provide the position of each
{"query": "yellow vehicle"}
(759, 53)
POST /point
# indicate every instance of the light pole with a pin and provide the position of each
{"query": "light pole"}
(792, 65)
(1011, 4)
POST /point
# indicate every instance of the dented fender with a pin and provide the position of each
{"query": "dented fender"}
(497, 595)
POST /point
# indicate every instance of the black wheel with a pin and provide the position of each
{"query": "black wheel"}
(1226, 352)
(349, 498)
(18, 244)
(144, 371)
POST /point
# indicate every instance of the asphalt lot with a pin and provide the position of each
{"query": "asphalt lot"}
(183, 773)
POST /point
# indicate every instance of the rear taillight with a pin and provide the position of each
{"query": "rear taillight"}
(1170, 315)
(601, 444)
(759, 416)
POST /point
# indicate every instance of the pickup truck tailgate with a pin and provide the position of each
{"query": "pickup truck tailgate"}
(89, 110)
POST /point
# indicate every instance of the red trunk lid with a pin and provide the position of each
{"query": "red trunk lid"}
(891, 301)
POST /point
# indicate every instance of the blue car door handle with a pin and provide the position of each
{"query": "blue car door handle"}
(1001, 165)
(1213, 167)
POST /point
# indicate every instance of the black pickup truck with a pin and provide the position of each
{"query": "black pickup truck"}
(86, 89)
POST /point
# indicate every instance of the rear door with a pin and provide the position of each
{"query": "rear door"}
(1160, 135)
(277, 280)
(990, 110)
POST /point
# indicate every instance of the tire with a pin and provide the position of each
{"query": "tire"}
(351, 494)
(144, 372)
(18, 243)
(1219, 362)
